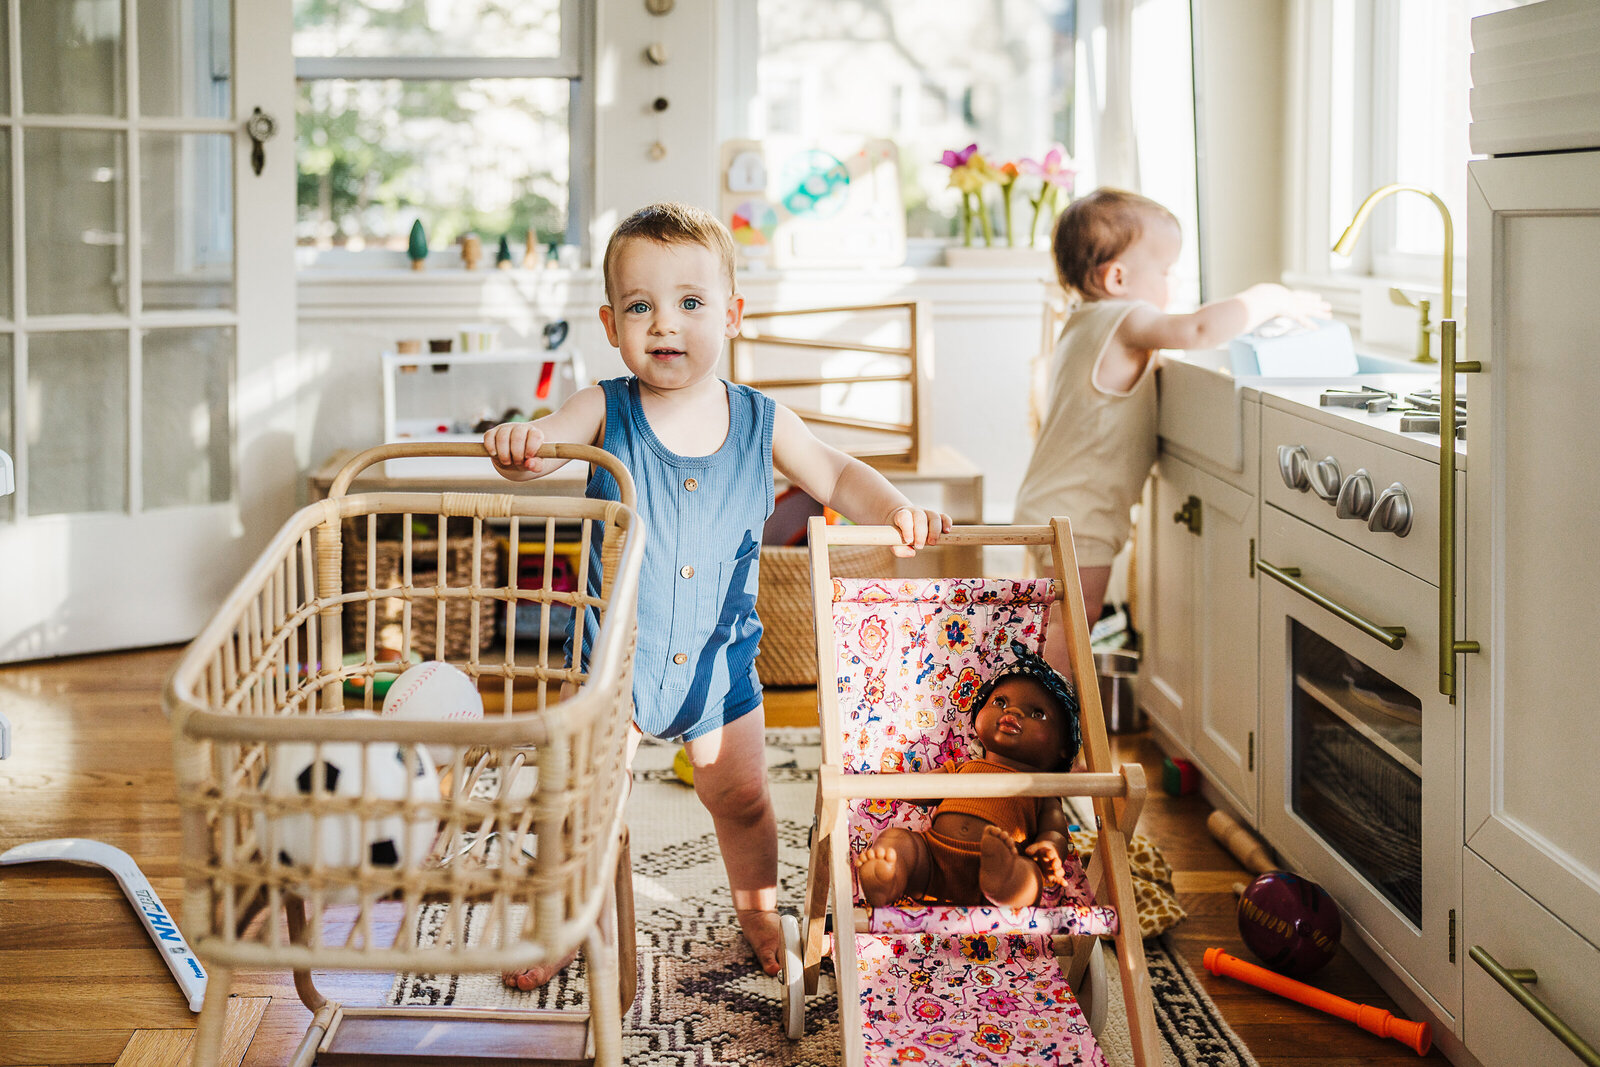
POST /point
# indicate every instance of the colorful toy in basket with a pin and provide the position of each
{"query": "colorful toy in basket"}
(1290, 922)
(1026, 718)
(434, 690)
(327, 807)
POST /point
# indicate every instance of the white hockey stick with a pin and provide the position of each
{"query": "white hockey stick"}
(158, 922)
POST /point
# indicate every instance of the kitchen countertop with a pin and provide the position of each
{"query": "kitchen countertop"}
(1201, 407)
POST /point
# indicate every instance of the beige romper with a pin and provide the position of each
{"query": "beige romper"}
(1095, 448)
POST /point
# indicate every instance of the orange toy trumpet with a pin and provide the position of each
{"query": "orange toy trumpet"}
(1415, 1036)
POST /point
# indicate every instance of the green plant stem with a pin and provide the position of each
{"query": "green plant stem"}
(983, 220)
(966, 219)
(1005, 209)
(1033, 223)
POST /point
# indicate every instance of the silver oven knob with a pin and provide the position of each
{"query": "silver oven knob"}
(1325, 479)
(1392, 512)
(1293, 463)
(1355, 496)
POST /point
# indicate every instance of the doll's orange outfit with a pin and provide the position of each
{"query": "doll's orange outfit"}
(953, 864)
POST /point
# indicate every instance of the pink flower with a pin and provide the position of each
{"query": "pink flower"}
(999, 1001)
(958, 159)
(1056, 169)
(929, 1010)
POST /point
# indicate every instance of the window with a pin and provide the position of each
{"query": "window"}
(468, 115)
(930, 75)
(1386, 90)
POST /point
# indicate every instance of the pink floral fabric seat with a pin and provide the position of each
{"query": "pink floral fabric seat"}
(944, 984)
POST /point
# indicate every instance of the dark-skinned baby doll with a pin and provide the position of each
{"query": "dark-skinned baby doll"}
(1003, 851)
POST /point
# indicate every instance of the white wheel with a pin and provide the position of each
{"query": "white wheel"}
(793, 978)
(1091, 994)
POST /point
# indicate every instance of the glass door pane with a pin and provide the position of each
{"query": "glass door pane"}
(77, 422)
(186, 213)
(7, 441)
(72, 57)
(187, 416)
(185, 60)
(74, 192)
(5, 223)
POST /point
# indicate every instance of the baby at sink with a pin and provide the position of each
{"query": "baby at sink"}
(1115, 251)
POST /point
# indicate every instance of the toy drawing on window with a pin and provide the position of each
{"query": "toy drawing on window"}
(1004, 850)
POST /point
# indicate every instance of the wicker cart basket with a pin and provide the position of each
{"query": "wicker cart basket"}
(524, 818)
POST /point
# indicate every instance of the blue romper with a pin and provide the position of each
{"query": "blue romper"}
(695, 666)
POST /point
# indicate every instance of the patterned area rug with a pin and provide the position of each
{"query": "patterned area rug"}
(702, 1001)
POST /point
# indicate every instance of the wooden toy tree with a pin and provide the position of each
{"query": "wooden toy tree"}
(502, 255)
(417, 247)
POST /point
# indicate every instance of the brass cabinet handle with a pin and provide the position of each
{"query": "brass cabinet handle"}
(1393, 636)
(1189, 515)
(1448, 368)
(1512, 981)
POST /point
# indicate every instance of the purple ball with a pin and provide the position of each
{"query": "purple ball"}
(1289, 922)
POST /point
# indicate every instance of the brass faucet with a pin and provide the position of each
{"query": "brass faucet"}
(1347, 241)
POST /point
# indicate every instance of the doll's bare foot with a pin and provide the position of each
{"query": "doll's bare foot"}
(883, 876)
(534, 977)
(1007, 878)
(765, 936)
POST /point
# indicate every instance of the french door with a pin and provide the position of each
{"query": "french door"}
(146, 313)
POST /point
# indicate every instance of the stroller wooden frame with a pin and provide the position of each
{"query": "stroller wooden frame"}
(1117, 795)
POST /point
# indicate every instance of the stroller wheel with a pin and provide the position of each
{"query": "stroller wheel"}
(793, 978)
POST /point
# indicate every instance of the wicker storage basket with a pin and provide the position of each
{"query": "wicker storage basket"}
(389, 611)
(783, 600)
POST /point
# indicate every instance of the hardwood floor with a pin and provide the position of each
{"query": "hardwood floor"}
(80, 982)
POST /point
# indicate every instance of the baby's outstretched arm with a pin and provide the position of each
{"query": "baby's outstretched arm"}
(1220, 321)
(513, 445)
(849, 486)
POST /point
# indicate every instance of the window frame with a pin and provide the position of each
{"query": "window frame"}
(1312, 186)
(575, 64)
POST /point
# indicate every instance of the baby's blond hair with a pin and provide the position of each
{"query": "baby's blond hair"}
(1096, 229)
(672, 224)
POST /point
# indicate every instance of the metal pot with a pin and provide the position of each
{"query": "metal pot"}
(1118, 673)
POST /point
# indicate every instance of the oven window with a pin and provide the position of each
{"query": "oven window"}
(1357, 766)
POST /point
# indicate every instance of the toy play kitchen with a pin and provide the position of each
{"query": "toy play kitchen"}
(1373, 649)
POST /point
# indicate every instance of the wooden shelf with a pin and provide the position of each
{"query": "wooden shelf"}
(1397, 738)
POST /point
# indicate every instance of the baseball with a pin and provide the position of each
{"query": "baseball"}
(434, 690)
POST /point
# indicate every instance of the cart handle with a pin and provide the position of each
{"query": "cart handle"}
(471, 449)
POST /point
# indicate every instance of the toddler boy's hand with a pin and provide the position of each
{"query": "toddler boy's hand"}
(918, 527)
(514, 446)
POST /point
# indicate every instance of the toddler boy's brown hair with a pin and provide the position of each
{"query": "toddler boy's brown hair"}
(1094, 230)
(672, 224)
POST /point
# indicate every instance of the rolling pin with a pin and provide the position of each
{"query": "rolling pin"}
(1245, 846)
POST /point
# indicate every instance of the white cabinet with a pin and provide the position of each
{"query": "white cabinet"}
(1530, 713)
(1198, 675)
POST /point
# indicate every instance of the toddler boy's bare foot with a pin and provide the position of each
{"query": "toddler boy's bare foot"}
(1007, 878)
(534, 977)
(883, 877)
(765, 936)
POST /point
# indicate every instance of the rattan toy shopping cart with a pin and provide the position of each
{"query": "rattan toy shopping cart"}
(287, 775)
(899, 660)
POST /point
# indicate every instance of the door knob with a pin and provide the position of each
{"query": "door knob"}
(1325, 478)
(1293, 460)
(1189, 515)
(1392, 512)
(1355, 496)
(259, 127)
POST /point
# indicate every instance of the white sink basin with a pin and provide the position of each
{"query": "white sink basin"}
(1199, 407)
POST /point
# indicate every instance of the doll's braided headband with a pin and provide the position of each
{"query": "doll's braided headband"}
(1030, 664)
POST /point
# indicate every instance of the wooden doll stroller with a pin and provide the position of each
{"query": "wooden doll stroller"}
(530, 830)
(941, 984)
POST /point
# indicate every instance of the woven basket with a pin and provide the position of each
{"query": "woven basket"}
(783, 600)
(424, 606)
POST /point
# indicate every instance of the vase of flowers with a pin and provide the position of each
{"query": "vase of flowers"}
(1045, 184)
